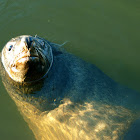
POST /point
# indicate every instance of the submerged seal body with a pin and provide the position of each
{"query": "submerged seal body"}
(64, 97)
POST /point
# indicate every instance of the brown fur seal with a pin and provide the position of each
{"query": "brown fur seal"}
(64, 98)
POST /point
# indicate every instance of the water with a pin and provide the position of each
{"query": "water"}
(105, 33)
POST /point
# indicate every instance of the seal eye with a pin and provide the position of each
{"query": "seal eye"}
(10, 47)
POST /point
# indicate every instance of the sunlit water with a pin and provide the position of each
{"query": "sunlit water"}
(105, 33)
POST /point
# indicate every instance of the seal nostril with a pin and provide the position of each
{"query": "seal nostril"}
(28, 41)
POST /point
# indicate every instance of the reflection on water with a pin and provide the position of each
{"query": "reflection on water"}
(105, 33)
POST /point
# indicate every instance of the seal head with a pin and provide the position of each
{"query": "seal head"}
(27, 58)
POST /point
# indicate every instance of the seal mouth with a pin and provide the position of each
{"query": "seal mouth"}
(26, 58)
(25, 61)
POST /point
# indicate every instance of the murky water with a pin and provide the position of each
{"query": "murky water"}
(105, 33)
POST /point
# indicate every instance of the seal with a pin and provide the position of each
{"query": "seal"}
(25, 56)
(64, 97)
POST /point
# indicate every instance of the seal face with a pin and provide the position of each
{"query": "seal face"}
(27, 58)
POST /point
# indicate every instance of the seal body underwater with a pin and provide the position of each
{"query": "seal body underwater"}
(65, 98)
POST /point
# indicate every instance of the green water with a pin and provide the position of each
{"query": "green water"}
(105, 33)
